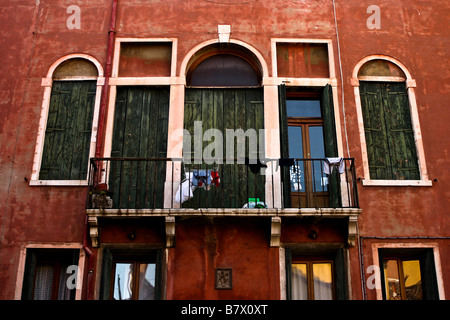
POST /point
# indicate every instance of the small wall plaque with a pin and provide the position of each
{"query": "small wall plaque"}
(224, 279)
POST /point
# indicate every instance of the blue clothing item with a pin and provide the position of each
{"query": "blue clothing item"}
(201, 177)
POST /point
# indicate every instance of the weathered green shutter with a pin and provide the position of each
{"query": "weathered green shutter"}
(159, 274)
(29, 274)
(340, 275)
(390, 142)
(330, 143)
(106, 275)
(68, 132)
(140, 131)
(288, 269)
(284, 145)
(223, 109)
(400, 135)
(428, 274)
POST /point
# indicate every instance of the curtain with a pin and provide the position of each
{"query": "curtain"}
(299, 282)
(43, 282)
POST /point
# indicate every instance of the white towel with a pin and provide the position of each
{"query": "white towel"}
(330, 163)
(185, 190)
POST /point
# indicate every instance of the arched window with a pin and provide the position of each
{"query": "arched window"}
(224, 65)
(224, 70)
(392, 149)
(65, 132)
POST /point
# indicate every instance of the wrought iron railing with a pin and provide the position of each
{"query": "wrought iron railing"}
(165, 183)
(319, 183)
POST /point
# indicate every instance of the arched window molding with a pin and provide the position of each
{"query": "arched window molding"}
(410, 85)
(47, 83)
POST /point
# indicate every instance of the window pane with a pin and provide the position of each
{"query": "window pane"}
(323, 288)
(299, 282)
(296, 152)
(392, 281)
(413, 280)
(316, 142)
(43, 282)
(123, 281)
(147, 281)
(317, 148)
(303, 108)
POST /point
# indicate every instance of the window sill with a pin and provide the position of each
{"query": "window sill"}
(59, 183)
(397, 183)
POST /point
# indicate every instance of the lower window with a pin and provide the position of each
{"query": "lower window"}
(408, 274)
(49, 274)
(317, 276)
(312, 280)
(134, 281)
(131, 275)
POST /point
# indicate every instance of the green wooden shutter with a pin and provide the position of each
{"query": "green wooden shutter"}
(68, 132)
(390, 142)
(159, 274)
(284, 145)
(400, 135)
(428, 274)
(375, 130)
(223, 109)
(340, 275)
(288, 268)
(330, 143)
(29, 274)
(106, 274)
(140, 131)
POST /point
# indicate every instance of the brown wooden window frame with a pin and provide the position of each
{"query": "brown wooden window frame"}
(310, 276)
(135, 277)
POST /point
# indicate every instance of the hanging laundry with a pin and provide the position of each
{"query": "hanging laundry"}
(254, 164)
(215, 178)
(330, 163)
(201, 178)
(186, 189)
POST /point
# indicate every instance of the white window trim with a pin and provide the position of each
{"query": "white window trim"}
(410, 85)
(22, 260)
(437, 263)
(47, 83)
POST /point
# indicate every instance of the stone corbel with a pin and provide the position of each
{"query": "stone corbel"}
(224, 31)
(275, 232)
(170, 232)
(93, 230)
(352, 230)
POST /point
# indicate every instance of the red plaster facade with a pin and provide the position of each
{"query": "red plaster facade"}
(34, 35)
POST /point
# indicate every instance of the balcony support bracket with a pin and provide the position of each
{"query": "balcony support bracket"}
(275, 232)
(170, 231)
(352, 230)
(93, 230)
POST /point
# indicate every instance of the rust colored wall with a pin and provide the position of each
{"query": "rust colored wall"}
(299, 230)
(33, 35)
(204, 244)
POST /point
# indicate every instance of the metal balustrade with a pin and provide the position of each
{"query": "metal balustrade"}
(166, 183)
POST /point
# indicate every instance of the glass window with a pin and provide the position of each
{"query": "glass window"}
(134, 281)
(303, 108)
(402, 279)
(312, 280)
(48, 276)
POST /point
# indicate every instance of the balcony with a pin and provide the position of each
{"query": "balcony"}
(152, 185)
(166, 188)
